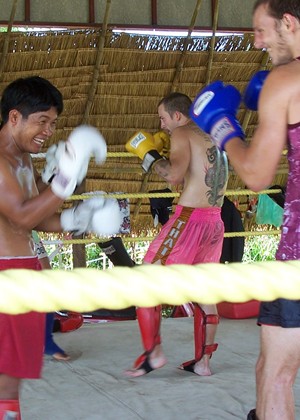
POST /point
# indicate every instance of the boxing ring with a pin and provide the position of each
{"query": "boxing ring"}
(92, 385)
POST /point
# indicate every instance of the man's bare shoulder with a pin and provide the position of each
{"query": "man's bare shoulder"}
(192, 130)
(286, 96)
(284, 77)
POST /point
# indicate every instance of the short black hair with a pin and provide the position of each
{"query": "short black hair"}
(176, 101)
(29, 95)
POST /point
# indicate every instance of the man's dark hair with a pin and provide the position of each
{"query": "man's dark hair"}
(277, 8)
(30, 95)
(176, 102)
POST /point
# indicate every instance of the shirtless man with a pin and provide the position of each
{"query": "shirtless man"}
(277, 29)
(29, 112)
(194, 234)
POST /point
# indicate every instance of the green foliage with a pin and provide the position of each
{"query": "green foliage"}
(60, 257)
(167, 311)
(260, 248)
(95, 258)
(257, 248)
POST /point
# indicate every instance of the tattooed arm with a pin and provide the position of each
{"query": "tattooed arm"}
(163, 168)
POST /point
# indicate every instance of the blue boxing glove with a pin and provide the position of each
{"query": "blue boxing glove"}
(214, 111)
(252, 92)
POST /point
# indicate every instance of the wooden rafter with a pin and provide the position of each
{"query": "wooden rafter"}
(27, 11)
(99, 57)
(8, 33)
(79, 249)
(180, 64)
(154, 12)
(142, 190)
(215, 14)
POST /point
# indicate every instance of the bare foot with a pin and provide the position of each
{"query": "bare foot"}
(146, 363)
(61, 357)
(200, 368)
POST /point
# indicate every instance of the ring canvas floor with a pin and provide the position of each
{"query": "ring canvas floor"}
(92, 386)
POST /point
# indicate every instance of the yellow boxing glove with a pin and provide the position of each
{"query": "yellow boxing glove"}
(162, 142)
(142, 144)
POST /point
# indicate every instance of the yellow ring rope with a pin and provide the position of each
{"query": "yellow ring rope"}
(171, 194)
(88, 289)
(150, 238)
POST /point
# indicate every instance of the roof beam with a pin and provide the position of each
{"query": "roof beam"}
(91, 20)
(27, 11)
(91, 11)
(7, 36)
(215, 15)
(180, 63)
(153, 12)
(96, 74)
(79, 249)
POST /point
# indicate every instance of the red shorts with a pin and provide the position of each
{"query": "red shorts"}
(22, 336)
(191, 236)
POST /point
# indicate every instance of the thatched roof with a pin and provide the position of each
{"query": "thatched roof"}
(115, 82)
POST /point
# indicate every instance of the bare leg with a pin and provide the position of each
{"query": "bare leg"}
(202, 367)
(276, 370)
(9, 387)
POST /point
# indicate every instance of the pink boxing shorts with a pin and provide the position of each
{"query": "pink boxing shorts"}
(191, 236)
(22, 336)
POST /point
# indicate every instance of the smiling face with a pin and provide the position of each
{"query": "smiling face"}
(30, 133)
(272, 35)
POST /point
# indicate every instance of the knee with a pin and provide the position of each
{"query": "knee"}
(278, 376)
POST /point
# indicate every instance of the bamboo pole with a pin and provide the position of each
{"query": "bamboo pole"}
(180, 64)
(139, 201)
(213, 43)
(7, 37)
(79, 250)
(96, 73)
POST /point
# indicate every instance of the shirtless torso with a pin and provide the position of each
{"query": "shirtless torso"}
(21, 206)
(194, 162)
(205, 180)
(15, 240)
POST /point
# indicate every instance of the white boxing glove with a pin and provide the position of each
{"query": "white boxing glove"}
(106, 220)
(73, 160)
(78, 218)
(52, 157)
(98, 215)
